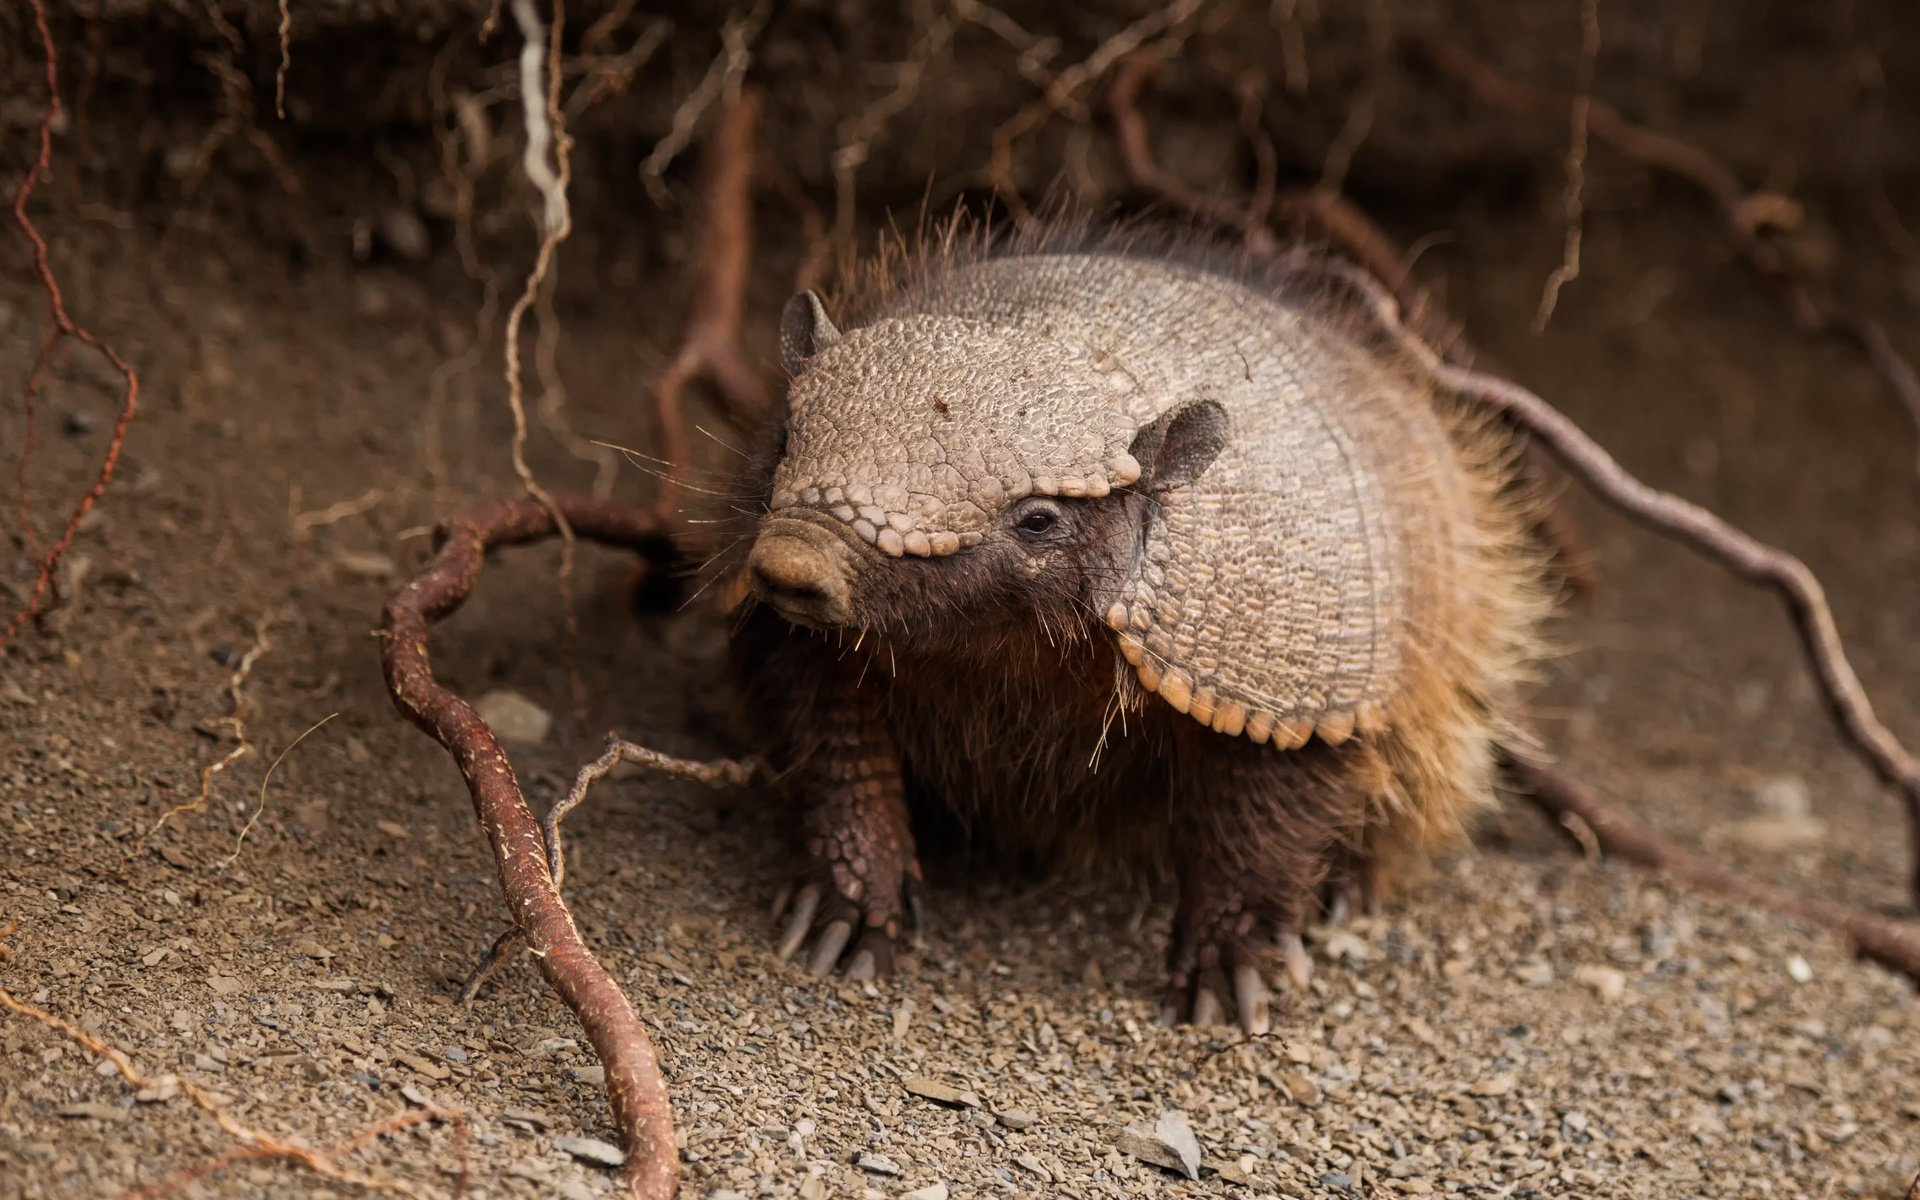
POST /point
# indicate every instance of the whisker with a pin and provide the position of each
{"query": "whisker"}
(723, 443)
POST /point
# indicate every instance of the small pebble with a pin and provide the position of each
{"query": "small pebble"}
(513, 718)
(1606, 982)
(940, 1093)
(879, 1164)
(590, 1150)
(1014, 1118)
(1302, 1088)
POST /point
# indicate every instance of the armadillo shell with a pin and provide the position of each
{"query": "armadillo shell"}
(1289, 589)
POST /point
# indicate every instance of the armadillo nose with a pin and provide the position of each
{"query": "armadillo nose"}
(800, 577)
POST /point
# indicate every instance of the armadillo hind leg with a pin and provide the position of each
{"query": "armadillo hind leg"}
(1353, 885)
(1256, 835)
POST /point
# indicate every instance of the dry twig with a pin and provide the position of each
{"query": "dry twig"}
(634, 1086)
(1745, 215)
(710, 345)
(64, 326)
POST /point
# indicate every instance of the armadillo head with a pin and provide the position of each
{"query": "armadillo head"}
(946, 473)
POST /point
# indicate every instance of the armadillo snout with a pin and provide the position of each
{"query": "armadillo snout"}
(801, 571)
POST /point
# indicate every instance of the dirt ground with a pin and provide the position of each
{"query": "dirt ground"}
(1524, 1022)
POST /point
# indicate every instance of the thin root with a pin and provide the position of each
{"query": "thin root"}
(1887, 941)
(1688, 522)
(65, 327)
(253, 1143)
(1745, 216)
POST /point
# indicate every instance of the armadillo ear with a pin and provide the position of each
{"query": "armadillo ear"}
(1175, 447)
(805, 330)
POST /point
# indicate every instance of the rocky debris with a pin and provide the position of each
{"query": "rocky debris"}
(1167, 1142)
(591, 1150)
(940, 1093)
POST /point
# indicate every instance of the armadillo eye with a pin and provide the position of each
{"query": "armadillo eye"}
(1039, 519)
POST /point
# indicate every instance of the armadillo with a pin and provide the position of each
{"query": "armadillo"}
(1115, 549)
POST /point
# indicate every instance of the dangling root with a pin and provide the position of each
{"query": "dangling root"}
(635, 1088)
(1744, 215)
(1688, 522)
(710, 346)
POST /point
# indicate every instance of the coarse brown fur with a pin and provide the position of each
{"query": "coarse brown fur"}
(1004, 700)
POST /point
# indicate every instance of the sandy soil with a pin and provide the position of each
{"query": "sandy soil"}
(1522, 1023)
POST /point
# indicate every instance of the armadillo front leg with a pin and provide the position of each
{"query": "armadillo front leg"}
(1258, 831)
(858, 871)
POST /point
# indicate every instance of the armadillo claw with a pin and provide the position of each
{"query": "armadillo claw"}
(826, 931)
(1251, 1000)
(1204, 1001)
(1293, 955)
(826, 951)
(800, 923)
(1206, 1007)
(1353, 887)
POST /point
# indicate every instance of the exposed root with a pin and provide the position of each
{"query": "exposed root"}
(1065, 90)
(1892, 943)
(254, 1144)
(1322, 210)
(1145, 172)
(1570, 204)
(635, 1088)
(286, 60)
(720, 772)
(237, 92)
(722, 80)
(1687, 522)
(545, 127)
(302, 523)
(857, 132)
(710, 346)
(1746, 216)
(64, 326)
(1360, 112)
(234, 720)
(266, 779)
